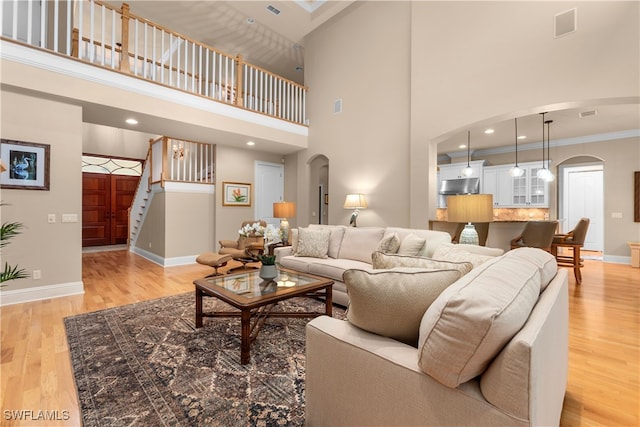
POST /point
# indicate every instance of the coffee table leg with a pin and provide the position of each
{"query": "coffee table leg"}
(329, 301)
(245, 345)
(198, 308)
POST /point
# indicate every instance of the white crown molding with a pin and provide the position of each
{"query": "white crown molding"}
(74, 68)
(19, 296)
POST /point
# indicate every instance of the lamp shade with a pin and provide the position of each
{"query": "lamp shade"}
(470, 208)
(355, 201)
(284, 210)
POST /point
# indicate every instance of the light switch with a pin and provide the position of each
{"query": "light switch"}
(617, 215)
(51, 218)
(69, 217)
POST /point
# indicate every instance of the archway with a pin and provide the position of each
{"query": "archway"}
(319, 190)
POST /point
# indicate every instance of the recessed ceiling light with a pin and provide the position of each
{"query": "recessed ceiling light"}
(298, 68)
(251, 143)
(462, 146)
(132, 121)
(489, 131)
(251, 21)
(522, 137)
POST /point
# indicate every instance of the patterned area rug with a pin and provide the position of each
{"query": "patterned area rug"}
(146, 364)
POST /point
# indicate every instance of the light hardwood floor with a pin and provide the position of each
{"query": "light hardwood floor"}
(36, 373)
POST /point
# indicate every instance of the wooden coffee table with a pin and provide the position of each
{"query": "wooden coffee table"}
(255, 299)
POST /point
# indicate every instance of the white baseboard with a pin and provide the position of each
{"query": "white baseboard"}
(19, 296)
(164, 262)
(615, 259)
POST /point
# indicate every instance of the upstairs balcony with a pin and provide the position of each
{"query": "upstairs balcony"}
(112, 38)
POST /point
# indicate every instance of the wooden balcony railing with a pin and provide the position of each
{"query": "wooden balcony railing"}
(114, 38)
(178, 160)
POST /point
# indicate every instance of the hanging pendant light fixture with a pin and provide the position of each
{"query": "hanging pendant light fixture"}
(549, 175)
(542, 172)
(468, 171)
(516, 171)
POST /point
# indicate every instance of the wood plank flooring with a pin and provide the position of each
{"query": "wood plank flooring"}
(36, 375)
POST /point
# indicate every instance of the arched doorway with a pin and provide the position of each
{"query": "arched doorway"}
(319, 190)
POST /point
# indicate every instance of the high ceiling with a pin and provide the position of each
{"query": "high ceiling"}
(269, 34)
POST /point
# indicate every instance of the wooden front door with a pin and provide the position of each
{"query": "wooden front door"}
(106, 199)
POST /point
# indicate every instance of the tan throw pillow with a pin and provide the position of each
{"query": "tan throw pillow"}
(392, 302)
(473, 319)
(389, 244)
(450, 252)
(359, 243)
(313, 242)
(382, 260)
(411, 245)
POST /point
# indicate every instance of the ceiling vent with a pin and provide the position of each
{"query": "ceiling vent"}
(584, 114)
(565, 23)
(273, 10)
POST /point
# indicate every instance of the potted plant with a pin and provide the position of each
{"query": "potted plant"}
(268, 270)
(7, 232)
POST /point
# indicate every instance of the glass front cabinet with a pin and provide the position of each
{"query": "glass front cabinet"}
(508, 192)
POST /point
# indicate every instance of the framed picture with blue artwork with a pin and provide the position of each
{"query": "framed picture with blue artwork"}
(27, 165)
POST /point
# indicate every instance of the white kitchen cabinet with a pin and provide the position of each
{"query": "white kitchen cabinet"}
(454, 171)
(509, 192)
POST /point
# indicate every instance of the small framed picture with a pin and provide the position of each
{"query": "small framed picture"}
(236, 194)
(27, 165)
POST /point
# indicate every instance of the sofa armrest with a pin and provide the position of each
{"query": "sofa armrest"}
(282, 252)
(356, 378)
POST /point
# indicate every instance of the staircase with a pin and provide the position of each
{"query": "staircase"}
(141, 201)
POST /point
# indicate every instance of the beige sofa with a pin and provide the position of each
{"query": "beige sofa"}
(492, 350)
(351, 248)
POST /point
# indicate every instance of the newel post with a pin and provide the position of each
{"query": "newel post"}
(75, 42)
(124, 57)
(239, 67)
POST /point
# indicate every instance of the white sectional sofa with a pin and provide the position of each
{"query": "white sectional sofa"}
(491, 350)
(351, 248)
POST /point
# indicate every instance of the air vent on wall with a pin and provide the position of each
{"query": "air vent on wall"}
(337, 106)
(273, 10)
(565, 23)
(584, 114)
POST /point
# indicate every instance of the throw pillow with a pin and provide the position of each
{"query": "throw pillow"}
(545, 262)
(382, 260)
(473, 319)
(411, 245)
(313, 242)
(335, 239)
(359, 242)
(449, 252)
(389, 244)
(392, 302)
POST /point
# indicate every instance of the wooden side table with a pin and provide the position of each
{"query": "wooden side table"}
(635, 254)
(277, 245)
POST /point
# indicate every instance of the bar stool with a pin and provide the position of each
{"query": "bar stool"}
(574, 239)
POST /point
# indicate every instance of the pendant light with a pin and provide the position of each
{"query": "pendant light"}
(544, 173)
(516, 171)
(468, 171)
(549, 175)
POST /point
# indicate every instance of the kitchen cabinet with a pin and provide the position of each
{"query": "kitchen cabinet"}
(454, 171)
(508, 192)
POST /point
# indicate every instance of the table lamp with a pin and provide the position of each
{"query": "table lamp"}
(355, 202)
(284, 210)
(470, 208)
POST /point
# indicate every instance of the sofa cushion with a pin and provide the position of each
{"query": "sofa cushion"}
(392, 302)
(359, 243)
(334, 268)
(433, 238)
(470, 322)
(313, 242)
(411, 245)
(382, 260)
(454, 253)
(335, 238)
(389, 244)
(545, 262)
(297, 263)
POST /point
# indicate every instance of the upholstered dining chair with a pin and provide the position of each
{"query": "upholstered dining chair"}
(574, 239)
(536, 234)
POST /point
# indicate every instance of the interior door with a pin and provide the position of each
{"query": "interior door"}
(106, 199)
(269, 189)
(584, 193)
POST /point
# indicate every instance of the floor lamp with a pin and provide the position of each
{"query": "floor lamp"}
(470, 208)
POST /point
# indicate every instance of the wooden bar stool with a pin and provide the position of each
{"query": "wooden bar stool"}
(574, 240)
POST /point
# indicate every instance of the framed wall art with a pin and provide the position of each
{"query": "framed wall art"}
(27, 165)
(636, 196)
(236, 194)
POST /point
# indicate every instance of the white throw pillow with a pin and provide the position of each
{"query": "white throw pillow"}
(411, 245)
(392, 302)
(313, 242)
(381, 260)
(359, 243)
(451, 252)
(473, 319)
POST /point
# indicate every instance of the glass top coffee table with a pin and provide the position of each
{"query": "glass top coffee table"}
(255, 299)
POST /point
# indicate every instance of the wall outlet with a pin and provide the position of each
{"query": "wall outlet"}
(51, 218)
(37, 275)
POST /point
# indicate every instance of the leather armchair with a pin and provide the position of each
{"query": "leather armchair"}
(246, 246)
